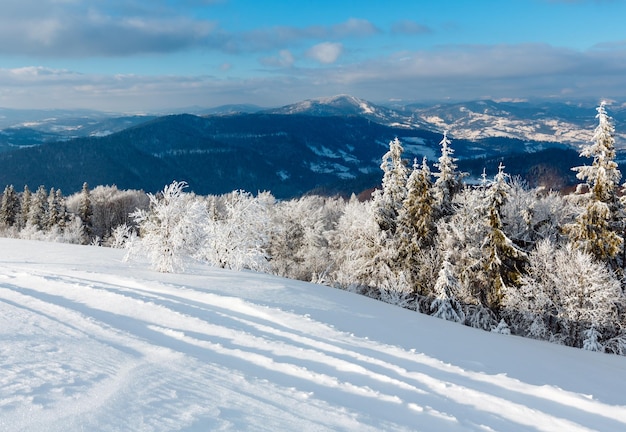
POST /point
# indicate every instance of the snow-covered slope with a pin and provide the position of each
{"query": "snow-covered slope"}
(89, 342)
(565, 123)
(346, 105)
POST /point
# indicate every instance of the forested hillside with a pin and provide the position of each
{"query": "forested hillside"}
(498, 254)
(287, 154)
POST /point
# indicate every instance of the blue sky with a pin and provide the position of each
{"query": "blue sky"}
(147, 55)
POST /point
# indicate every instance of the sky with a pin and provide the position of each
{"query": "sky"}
(147, 55)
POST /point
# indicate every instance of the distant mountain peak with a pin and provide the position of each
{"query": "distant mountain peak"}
(347, 105)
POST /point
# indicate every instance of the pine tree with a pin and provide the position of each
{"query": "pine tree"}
(416, 219)
(504, 261)
(85, 213)
(445, 305)
(449, 180)
(24, 207)
(61, 208)
(9, 210)
(597, 230)
(592, 342)
(54, 212)
(38, 209)
(388, 201)
(416, 227)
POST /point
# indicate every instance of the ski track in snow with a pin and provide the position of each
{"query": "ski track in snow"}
(105, 350)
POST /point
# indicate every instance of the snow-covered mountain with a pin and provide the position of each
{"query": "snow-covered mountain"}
(331, 144)
(346, 105)
(89, 342)
(566, 123)
(24, 128)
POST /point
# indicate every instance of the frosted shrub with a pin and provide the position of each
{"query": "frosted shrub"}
(170, 229)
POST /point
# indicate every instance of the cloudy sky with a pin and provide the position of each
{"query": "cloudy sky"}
(146, 55)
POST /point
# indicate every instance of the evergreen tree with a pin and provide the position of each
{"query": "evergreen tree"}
(504, 261)
(85, 213)
(54, 212)
(445, 305)
(24, 207)
(597, 230)
(388, 201)
(61, 209)
(415, 218)
(416, 228)
(448, 180)
(10, 207)
(38, 209)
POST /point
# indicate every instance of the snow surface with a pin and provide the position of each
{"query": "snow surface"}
(89, 342)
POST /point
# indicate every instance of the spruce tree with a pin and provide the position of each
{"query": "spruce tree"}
(445, 305)
(598, 229)
(416, 220)
(85, 212)
(449, 180)
(9, 209)
(24, 207)
(504, 261)
(38, 209)
(388, 201)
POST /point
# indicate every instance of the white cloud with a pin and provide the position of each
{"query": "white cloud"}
(325, 52)
(284, 59)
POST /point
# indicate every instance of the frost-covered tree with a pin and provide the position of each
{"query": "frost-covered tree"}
(300, 243)
(38, 209)
(24, 207)
(530, 215)
(356, 240)
(85, 213)
(366, 260)
(388, 200)
(591, 341)
(564, 292)
(503, 260)
(171, 230)
(416, 220)
(10, 207)
(598, 229)
(448, 181)
(445, 305)
(237, 233)
(53, 216)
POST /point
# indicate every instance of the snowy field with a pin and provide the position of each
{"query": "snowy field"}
(89, 342)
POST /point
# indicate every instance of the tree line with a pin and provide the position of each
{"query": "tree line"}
(492, 254)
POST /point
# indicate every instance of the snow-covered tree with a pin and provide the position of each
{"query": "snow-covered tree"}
(448, 181)
(171, 230)
(85, 213)
(564, 292)
(24, 207)
(38, 209)
(388, 201)
(502, 328)
(445, 305)
(530, 215)
(10, 207)
(300, 243)
(356, 244)
(591, 341)
(237, 235)
(503, 260)
(598, 229)
(416, 220)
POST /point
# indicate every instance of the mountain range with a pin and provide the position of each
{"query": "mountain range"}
(330, 145)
